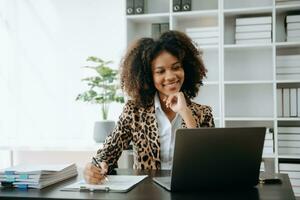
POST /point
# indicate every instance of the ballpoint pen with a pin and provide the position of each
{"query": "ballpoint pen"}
(97, 164)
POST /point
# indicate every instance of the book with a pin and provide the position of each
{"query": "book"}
(293, 39)
(288, 70)
(289, 144)
(251, 41)
(290, 129)
(292, 174)
(286, 102)
(253, 20)
(292, 18)
(164, 27)
(289, 151)
(155, 30)
(115, 183)
(253, 28)
(279, 102)
(288, 61)
(293, 26)
(293, 102)
(293, 33)
(289, 167)
(298, 102)
(253, 35)
(295, 181)
(288, 137)
(37, 176)
(288, 76)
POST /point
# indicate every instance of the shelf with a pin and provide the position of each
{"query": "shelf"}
(208, 47)
(289, 156)
(210, 83)
(287, 44)
(242, 11)
(249, 118)
(288, 118)
(286, 8)
(148, 18)
(245, 46)
(247, 82)
(195, 14)
(288, 81)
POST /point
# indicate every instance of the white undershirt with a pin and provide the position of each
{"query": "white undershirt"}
(166, 131)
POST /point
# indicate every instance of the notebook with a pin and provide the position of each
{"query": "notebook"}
(115, 183)
(36, 176)
(214, 158)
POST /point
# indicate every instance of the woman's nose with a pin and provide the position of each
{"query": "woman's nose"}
(170, 75)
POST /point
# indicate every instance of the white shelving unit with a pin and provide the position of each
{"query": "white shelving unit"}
(241, 83)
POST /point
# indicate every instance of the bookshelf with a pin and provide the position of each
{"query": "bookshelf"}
(242, 82)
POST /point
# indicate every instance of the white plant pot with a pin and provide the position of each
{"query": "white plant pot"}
(102, 129)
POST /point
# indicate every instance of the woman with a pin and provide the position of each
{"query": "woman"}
(160, 77)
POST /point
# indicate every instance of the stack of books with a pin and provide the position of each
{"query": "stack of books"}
(288, 67)
(36, 176)
(204, 36)
(293, 170)
(269, 142)
(253, 30)
(289, 140)
(293, 28)
(288, 102)
(287, 2)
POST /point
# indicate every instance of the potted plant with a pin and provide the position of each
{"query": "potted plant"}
(102, 90)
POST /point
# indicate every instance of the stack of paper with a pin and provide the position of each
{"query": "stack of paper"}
(293, 28)
(36, 176)
(288, 66)
(253, 30)
(204, 35)
(289, 140)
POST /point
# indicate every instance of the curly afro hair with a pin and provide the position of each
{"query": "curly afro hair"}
(136, 69)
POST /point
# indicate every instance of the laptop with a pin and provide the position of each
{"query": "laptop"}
(212, 158)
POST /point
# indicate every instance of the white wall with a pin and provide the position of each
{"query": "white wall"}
(46, 44)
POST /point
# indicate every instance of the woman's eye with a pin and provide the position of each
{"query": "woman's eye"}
(159, 72)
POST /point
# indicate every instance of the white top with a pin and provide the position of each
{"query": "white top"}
(166, 131)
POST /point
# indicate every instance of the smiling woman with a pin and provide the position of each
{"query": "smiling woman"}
(161, 77)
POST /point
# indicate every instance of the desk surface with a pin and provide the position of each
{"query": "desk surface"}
(147, 189)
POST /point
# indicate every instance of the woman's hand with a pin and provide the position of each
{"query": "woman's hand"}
(176, 102)
(95, 175)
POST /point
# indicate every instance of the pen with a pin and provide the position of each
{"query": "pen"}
(95, 162)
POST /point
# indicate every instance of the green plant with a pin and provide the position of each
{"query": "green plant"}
(103, 87)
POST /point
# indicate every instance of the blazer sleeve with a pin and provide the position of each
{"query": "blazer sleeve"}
(118, 140)
(206, 115)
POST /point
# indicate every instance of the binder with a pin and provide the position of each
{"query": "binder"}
(139, 6)
(129, 7)
(176, 5)
(186, 5)
(155, 30)
(164, 27)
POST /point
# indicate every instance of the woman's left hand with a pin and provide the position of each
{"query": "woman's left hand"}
(176, 102)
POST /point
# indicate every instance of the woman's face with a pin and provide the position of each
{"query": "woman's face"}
(168, 74)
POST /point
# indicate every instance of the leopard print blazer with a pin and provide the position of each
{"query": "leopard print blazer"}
(139, 126)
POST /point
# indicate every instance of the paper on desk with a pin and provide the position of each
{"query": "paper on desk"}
(115, 183)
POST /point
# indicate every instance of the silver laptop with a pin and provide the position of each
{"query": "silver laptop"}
(211, 158)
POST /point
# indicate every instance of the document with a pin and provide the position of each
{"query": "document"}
(115, 183)
(36, 176)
